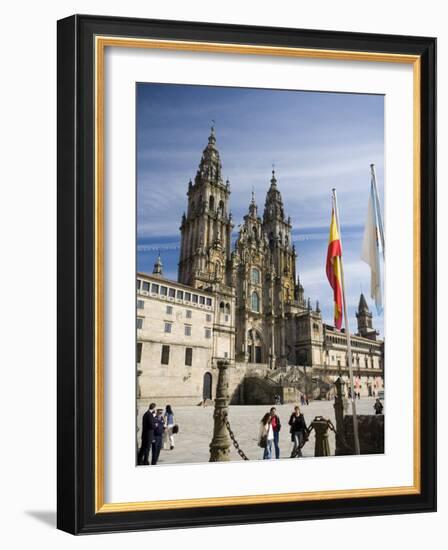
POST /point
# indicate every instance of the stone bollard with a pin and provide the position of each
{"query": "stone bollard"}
(339, 408)
(320, 426)
(220, 444)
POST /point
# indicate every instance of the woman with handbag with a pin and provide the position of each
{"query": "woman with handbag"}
(168, 417)
(266, 436)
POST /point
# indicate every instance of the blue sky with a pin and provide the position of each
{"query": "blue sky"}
(317, 141)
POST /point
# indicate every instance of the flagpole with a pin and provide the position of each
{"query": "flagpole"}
(347, 332)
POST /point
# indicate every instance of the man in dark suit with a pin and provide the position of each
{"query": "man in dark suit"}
(159, 428)
(148, 426)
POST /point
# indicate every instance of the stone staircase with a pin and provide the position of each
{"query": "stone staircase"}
(294, 376)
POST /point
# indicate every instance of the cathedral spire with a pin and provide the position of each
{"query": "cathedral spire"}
(273, 209)
(299, 291)
(212, 136)
(253, 209)
(209, 170)
(364, 317)
(158, 266)
(363, 307)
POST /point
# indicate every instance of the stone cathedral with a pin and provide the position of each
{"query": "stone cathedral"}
(243, 303)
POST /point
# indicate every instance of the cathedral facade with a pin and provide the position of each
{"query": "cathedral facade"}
(257, 317)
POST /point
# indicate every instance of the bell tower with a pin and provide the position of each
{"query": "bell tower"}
(282, 260)
(364, 317)
(278, 231)
(206, 227)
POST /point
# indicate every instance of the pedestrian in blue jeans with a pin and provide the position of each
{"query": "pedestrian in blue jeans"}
(276, 427)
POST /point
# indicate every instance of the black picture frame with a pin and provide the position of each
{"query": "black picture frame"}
(76, 255)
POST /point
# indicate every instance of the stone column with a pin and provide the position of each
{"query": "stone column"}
(220, 444)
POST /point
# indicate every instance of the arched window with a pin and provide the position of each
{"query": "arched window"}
(211, 202)
(255, 275)
(221, 307)
(255, 302)
(228, 309)
(221, 207)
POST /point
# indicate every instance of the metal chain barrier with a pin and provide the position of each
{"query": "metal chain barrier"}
(233, 438)
(305, 439)
(307, 436)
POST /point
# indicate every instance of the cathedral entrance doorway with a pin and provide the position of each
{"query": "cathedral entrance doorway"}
(254, 347)
(207, 386)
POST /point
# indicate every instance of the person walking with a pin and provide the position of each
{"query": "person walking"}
(378, 406)
(298, 431)
(147, 436)
(276, 427)
(168, 437)
(159, 428)
(266, 436)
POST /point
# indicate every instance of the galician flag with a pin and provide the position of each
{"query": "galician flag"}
(373, 244)
(334, 269)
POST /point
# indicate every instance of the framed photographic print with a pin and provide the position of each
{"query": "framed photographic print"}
(246, 274)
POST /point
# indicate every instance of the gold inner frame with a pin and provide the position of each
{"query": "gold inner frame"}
(101, 42)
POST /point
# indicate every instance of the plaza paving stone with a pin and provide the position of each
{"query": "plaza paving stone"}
(196, 429)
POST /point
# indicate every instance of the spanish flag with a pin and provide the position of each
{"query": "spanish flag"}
(334, 269)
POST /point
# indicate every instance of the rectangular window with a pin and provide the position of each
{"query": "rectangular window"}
(163, 290)
(226, 318)
(140, 304)
(154, 288)
(195, 298)
(226, 354)
(165, 359)
(139, 352)
(188, 296)
(138, 284)
(168, 327)
(209, 301)
(145, 286)
(189, 313)
(169, 310)
(188, 356)
(187, 330)
(208, 317)
(171, 292)
(180, 295)
(208, 333)
(139, 322)
(202, 300)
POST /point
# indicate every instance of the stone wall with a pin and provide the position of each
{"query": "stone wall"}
(371, 435)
